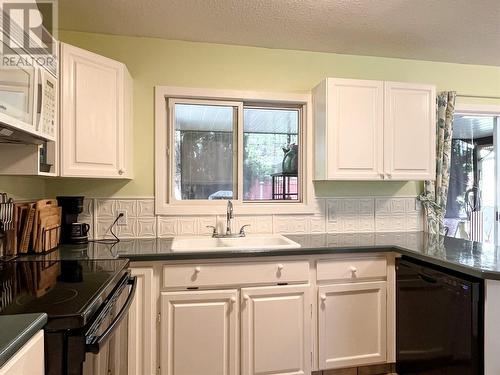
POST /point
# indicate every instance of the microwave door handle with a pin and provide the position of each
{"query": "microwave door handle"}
(95, 346)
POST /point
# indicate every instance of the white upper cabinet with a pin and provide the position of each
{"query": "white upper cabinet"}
(373, 130)
(349, 129)
(96, 115)
(409, 131)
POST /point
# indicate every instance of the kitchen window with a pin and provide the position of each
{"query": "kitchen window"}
(215, 145)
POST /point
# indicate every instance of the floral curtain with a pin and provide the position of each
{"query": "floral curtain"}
(435, 192)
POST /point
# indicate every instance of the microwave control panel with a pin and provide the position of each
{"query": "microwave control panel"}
(48, 110)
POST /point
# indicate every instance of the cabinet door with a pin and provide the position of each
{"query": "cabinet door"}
(275, 335)
(29, 360)
(199, 333)
(352, 324)
(410, 131)
(355, 129)
(142, 327)
(92, 114)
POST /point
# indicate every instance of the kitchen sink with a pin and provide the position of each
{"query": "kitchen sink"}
(249, 242)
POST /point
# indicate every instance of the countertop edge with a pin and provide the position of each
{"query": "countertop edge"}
(468, 270)
(11, 347)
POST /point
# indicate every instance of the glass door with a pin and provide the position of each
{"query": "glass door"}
(472, 194)
(496, 142)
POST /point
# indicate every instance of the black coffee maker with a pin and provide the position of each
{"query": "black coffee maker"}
(71, 230)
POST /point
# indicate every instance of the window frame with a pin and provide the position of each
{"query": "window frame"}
(165, 202)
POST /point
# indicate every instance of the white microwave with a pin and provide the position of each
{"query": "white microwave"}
(28, 104)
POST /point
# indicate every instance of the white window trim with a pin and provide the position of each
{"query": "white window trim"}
(477, 109)
(205, 207)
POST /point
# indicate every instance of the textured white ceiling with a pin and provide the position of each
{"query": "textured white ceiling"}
(465, 31)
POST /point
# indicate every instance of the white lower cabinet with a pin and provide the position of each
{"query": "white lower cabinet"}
(142, 324)
(352, 321)
(29, 360)
(260, 318)
(275, 336)
(199, 332)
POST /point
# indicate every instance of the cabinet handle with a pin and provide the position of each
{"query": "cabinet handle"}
(280, 267)
(389, 176)
(323, 297)
(233, 299)
(353, 269)
(382, 176)
(197, 269)
(121, 171)
(246, 297)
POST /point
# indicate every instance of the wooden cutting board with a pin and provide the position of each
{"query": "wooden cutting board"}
(27, 227)
(40, 206)
(47, 217)
(49, 232)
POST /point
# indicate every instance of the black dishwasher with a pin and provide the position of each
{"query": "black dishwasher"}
(439, 321)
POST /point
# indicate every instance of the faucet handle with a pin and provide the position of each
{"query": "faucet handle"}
(242, 230)
(214, 230)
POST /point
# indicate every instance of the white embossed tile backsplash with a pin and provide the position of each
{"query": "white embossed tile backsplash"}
(334, 215)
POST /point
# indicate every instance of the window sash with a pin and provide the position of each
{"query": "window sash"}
(238, 149)
(300, 138)
(171, 168)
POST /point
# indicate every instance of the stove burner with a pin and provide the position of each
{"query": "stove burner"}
(54, 297)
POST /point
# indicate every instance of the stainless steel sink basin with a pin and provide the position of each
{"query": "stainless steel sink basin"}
(249, 242)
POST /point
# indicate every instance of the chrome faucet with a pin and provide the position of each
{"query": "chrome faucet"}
(229, 217)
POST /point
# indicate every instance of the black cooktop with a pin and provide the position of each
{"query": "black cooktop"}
(69, 291)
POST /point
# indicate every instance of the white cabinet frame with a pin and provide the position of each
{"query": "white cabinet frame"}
(142, 324)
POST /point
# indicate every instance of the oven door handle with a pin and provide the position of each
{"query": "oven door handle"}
(95, 346)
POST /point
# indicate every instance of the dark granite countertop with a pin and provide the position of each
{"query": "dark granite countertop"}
(472, 258)
(17, 330)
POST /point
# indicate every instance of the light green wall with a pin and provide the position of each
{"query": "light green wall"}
(19, 187)
(163, 62)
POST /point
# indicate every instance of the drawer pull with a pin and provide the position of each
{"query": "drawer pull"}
(353, 269)
(280, 267)
(323, 297)
(197, 269)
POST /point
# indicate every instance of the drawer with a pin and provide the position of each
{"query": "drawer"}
(217, 274)
(352, 268)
